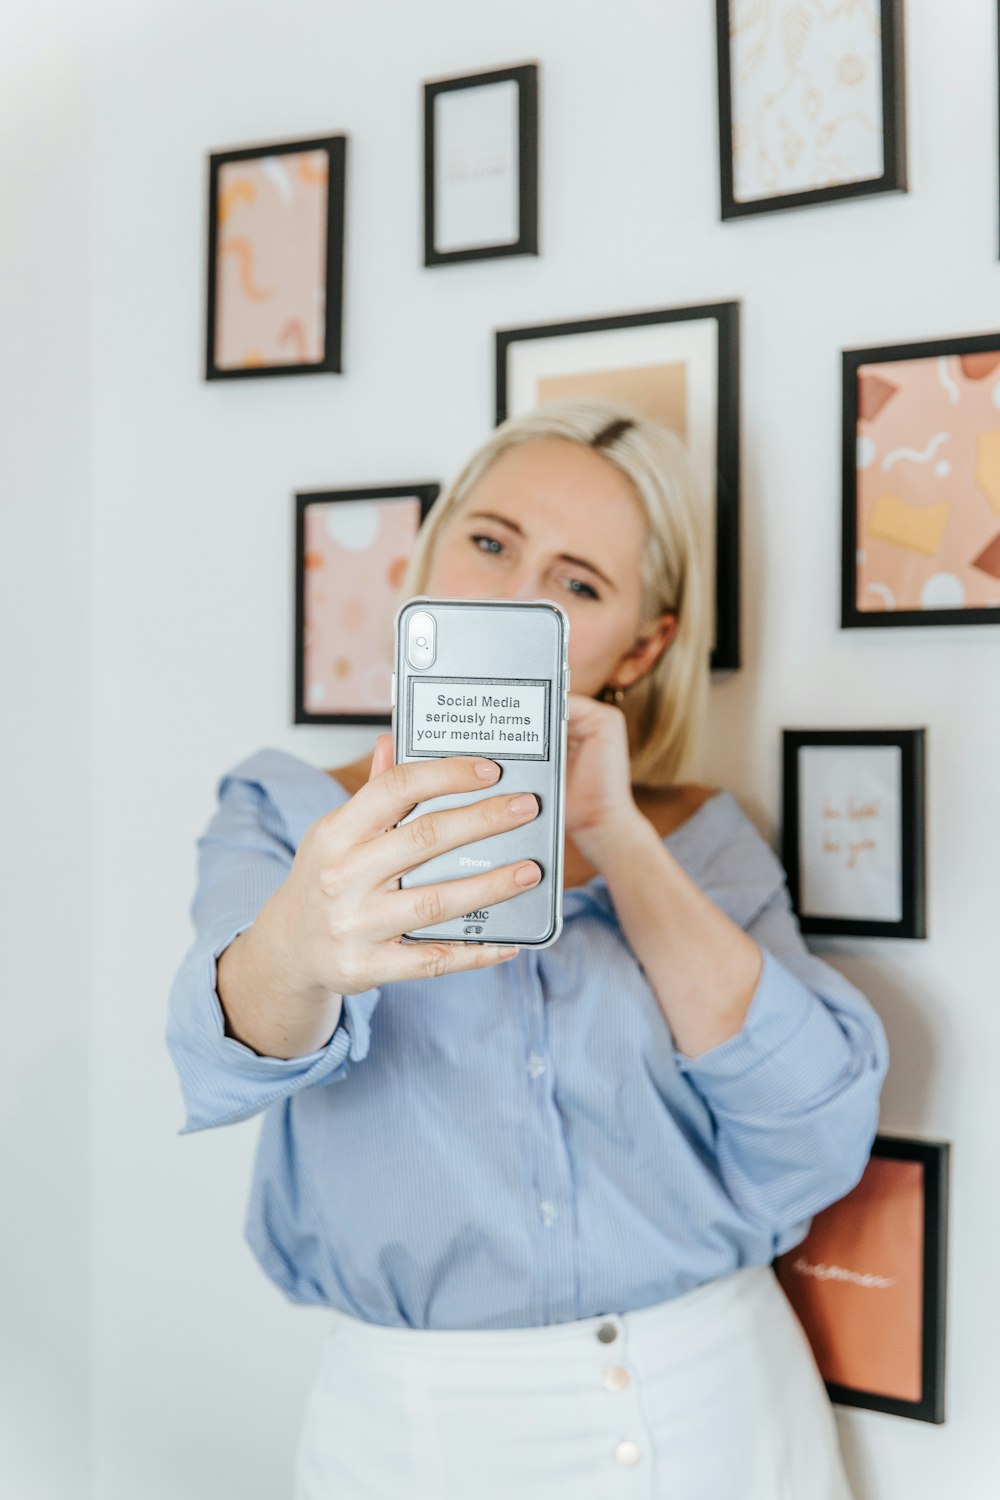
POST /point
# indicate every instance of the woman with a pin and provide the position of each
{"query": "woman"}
(539, 1200)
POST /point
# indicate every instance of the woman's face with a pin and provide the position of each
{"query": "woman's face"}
(552, 519)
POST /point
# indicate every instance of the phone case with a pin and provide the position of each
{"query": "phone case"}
(497, 687)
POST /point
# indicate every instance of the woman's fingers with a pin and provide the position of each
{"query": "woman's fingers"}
(377, 864)
(395, 791)
(399, 960)
(383, 860)
(352, 912)
(396, 912)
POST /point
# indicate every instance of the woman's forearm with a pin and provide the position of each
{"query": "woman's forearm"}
(261, 1009)
(702, 967)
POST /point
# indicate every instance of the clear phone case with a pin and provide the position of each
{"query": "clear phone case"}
(490, 679)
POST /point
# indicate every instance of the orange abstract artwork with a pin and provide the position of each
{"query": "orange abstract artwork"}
(271, 261)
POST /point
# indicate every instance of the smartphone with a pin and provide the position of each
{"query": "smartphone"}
(489, 677)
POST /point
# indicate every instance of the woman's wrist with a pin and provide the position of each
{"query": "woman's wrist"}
(261, 1005)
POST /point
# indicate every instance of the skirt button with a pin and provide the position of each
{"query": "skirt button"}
(627, 1453)
(607, 1333)
(615, 1378)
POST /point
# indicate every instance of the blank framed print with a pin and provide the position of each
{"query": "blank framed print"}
(481, 166)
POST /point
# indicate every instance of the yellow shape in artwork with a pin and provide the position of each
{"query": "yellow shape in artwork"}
(988, 467)
(918, 527)
(241, 189)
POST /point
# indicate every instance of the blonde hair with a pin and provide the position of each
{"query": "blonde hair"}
(665, 709)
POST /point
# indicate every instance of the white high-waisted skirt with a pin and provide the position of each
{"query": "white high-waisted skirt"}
(711, 1396)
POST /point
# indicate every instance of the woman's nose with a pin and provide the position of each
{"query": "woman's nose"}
(525, 584)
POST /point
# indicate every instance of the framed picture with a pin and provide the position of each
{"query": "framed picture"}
(351, 551)
(921, 484)
(679, 365)
(869, 1283)
(811, 103)
(276, 259)
(853, 839)
(481, 166)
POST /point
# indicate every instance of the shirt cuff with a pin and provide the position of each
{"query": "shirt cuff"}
(223, 1080)
(789, 1047)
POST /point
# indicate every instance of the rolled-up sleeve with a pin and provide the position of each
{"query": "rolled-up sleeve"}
(243, 856)
(794, 1093)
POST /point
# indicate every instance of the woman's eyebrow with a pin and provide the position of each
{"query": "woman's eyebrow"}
(489, 515)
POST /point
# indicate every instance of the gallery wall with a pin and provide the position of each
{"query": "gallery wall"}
(197, 1370)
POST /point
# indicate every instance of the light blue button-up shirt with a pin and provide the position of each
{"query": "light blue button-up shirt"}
(524, 1144)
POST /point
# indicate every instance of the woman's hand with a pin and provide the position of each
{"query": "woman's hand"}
(336, 922)
(599, 798)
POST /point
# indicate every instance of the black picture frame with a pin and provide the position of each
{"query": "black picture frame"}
(526, 77)
(934, 1156)
(725, 655)
(852, 617)
(893, 179)
(335, 147)
(911, 743)
(425, 492)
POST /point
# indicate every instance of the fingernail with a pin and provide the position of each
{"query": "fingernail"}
(487, 770)
(522, 805)
(527, 874)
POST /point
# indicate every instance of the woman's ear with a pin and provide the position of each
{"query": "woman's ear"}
(647, 650)
(666, 628)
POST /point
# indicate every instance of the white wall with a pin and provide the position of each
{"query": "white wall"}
(199, 1369)
(46, 835)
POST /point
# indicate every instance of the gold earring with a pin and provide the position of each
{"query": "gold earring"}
(614, 695)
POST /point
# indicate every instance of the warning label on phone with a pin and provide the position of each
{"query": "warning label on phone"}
(506, 720)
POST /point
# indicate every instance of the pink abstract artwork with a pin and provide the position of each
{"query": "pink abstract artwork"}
(928, 483)
(354, 560)
(271, 260)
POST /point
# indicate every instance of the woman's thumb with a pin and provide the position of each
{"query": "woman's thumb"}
(383, 756)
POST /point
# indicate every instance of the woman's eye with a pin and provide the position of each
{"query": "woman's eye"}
(493, 547)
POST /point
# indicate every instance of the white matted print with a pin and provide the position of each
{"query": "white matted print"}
(678, 366)
(475, 167)
(853, 830)
(849, 831)
(668, 371)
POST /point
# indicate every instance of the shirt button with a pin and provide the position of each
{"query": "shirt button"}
(548, 1212)
(536, 1065)
(607, 1333)
(615, 1378)
(627, 1453)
